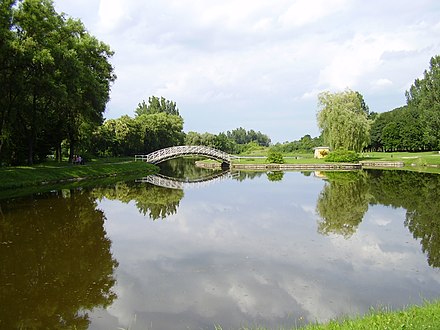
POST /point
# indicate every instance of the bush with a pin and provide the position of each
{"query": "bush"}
(275, 157)
(342, 156)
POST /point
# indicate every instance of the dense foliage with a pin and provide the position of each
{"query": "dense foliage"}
(234, 142)
(342, 156)
(154, 127)
(275, 157)
(55, 80)
(416, 126)
(305, 144)
(157, 105)
(343, 120)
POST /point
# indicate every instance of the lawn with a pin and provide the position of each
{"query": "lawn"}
(53, 172)
(424, 317)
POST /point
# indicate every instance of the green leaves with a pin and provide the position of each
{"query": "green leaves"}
(343, 120)
(275, 157)
(424, 98)
(57, 79)
(156, 105)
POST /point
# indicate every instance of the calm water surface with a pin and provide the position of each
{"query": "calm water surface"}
(267, 249)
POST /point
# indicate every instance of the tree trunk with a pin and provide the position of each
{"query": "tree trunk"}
(72, 146)
(30, 151)
(58, 153)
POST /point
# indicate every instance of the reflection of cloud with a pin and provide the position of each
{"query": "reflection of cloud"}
(221, 260)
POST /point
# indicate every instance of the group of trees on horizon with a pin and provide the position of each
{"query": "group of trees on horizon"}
(55, 80)
(345, 121)
(415, 126)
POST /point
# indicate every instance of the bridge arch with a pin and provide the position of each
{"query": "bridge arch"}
(176, 183)
(162, 155)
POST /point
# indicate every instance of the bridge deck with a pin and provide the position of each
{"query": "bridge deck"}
(159, 156)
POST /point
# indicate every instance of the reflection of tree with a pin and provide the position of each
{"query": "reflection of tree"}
(275, 176)
(184, 168)
(342, 203)
(245, 175)
(56, 262)
(418, 193)
(156, 202)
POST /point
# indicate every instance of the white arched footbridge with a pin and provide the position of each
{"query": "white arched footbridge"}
(162, 155)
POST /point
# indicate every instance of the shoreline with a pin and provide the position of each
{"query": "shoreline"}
(312, 167)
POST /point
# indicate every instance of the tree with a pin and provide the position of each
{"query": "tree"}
(156, 105)
(343, 120)
(343, 203)
(220, 141)
(241, 136)
(275, 157)
(161, 130)
(55, 80)
(424, 98)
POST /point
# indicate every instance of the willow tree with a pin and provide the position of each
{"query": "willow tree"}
(343, 120)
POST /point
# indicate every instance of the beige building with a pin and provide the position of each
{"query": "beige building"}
(321, 152)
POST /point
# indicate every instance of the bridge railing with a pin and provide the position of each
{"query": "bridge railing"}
(172, 152)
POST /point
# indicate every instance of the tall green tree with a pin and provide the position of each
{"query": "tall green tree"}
(424, 97)
(161, 130)
(8, 92)
(157, 105)
(55, 80)
(343, 120)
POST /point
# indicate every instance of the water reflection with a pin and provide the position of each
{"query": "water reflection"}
(244, 252)
(419, 194)
(343, 202)
(56, 263)
(346, 197)
(177, 183)
(152, 201)
(275, 176)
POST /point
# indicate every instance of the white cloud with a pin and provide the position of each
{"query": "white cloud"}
(112, 14)
(304, 12)
(242, 56)
(381, 83)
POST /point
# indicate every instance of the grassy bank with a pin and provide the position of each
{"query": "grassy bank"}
(416, 317)
(412, 318)
(53, 173)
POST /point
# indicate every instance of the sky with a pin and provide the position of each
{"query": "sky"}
(260, 64)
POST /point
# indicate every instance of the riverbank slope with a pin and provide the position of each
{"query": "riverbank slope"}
(55, 173)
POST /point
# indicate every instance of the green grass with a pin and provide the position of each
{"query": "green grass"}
(412, 318)
(413, 161)
(53, 172)
(415, 317)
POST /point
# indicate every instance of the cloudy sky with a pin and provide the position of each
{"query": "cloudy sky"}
(260, 64)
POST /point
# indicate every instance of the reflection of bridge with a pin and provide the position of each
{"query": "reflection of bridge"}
(176, 183)
(162, 155)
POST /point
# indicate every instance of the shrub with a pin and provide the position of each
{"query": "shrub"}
(275, 157)
(342, 156)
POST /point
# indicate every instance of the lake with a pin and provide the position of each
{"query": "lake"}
(244, 249)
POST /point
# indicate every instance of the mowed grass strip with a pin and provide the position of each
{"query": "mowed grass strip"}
(26, 176)
(415, 317)
(423, 317)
